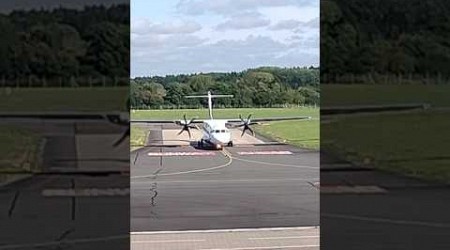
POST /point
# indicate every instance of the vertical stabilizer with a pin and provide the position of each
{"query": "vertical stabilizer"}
(210, 105)
(210, 97)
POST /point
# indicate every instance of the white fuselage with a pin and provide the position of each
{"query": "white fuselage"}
(216, 133)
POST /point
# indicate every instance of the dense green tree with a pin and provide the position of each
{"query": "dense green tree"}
(262, 87)
(66, 47)
(362, 40)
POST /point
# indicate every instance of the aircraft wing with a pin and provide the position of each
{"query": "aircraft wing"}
(272, 119)
(162, 121)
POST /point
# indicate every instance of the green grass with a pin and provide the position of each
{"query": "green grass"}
(63, 99)
(304, 134)
(300, 133)
(357, 94)
(16, 147)
(414, 144)
(138, 136)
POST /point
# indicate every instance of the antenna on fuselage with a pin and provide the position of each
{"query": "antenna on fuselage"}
(210, 97)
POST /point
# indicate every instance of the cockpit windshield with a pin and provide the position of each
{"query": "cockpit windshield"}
(219, 131)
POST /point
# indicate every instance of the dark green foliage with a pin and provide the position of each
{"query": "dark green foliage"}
(64, 47)
(260, 87)
(370, 41)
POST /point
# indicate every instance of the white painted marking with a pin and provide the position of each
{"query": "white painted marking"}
(275, 164)
(225, 230)
(265, 153)
(181, 154)
(85, 192)
(285, 237)
(165, 241)
(271, 247)
(230, 160)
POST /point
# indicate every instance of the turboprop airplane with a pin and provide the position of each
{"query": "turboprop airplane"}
(216, 133)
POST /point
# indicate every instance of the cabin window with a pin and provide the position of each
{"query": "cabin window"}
(223, 131)
(217, 131)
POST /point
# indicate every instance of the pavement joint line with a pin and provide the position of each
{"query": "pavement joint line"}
(285, 237)
(226, 181)
(166, 241)
(226, 230)
(57, 243)
(255, 248)
(387, 220)
(347, 189)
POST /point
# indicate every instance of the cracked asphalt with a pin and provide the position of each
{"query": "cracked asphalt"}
(223, 191)
(30, 219)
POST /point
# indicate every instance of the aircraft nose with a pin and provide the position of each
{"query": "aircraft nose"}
(223, 139)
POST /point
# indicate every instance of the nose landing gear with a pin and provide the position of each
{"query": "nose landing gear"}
(230, 144)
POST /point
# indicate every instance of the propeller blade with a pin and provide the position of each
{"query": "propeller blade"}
(193, 126)
(240, 117)
(185, 120)
(251, 130)
(243, 132)
(248, 118)
(189, 133)
(181, 131)
(191, 120)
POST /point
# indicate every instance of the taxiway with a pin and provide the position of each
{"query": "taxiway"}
(179, 187)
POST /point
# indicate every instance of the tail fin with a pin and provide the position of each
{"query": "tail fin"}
(210, 97)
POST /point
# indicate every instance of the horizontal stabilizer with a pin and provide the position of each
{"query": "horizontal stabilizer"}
(205, 96)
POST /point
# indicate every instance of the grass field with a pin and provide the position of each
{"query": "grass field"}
(63, 99)
(16, 147)
(412, 144)
(339, 94)
(137, 137)
(300, 133)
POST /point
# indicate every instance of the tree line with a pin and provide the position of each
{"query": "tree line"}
(260, 87)
(65, 47)
(381, 41)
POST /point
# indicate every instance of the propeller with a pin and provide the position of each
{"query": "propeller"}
(246, 124)
(186, 125)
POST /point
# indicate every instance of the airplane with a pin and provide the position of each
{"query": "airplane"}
(216, 132)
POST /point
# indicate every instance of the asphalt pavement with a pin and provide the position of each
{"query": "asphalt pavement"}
(222, 189)
(407, 214)
(80, 200)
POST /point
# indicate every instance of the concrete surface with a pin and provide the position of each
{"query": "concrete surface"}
(268, 238)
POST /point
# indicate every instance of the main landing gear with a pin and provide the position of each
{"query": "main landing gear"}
(200, 143)
(230, 144)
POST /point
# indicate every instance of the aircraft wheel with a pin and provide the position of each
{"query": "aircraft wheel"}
(200, 144)
(230, 144)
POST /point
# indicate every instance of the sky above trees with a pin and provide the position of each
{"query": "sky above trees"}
(192, 36)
